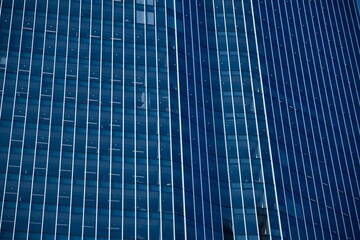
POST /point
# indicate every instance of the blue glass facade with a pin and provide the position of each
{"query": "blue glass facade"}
(138, 119)
(310, 75)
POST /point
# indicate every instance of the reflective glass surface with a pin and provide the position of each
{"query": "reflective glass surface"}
(164, 119)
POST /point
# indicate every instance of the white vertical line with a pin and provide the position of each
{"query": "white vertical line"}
(75, 122)
(135, 113)
(99, 121)
(1, 8)
(180, 118)
(87, 123)
(111, 117)
(123, 127)
(146, 102)
(158, 118)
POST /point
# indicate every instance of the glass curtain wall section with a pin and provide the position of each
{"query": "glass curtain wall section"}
(133, 119)
(241, 148)
(310, 72)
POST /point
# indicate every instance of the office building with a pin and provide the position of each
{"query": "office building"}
(196, 119)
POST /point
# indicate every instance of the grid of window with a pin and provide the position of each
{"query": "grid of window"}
(179, 119)
(310, 71)
(133, 119)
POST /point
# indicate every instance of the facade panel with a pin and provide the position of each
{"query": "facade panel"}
(311, 76)
(179, 119)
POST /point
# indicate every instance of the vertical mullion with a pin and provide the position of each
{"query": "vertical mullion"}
(87, 124)
(62, 125)
(146, 102)
(99, 122)
(111, 120)
(158, 117)
(123, 127)
(135, 125)
(75, 121)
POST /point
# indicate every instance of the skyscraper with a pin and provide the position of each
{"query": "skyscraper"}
(197, 119)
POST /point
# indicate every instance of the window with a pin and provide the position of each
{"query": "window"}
(140, 17)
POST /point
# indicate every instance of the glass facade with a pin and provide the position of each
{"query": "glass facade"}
(164, 119)
(310, 73)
